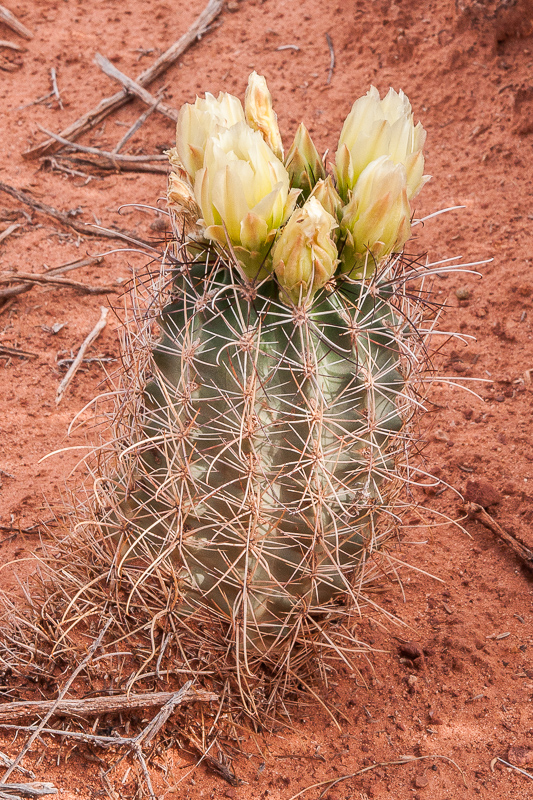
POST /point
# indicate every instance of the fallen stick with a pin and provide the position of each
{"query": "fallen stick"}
(94, 706)
(477, 512)
(38, 728)
(96, 331)
(10, 45)
(105, 164)
(136, 125)
(32, 278)
(102, 153)
(133, 743)
(110, 104)
(12, 22)
(135, 88)
(65, 219)
(21, 288)
(9, 230)
(37, 789)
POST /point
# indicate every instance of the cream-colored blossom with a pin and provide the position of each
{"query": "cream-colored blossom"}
(375, 128)
(304, 256)
(260, 115)
(376, 221)
(244, 196)
(199, 122)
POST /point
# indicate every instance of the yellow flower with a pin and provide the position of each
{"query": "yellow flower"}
(304, 257)
(199, 122)
(376, 221)
(375, 128)
(244, 197)
(260, 115)
(328, 197)
(303, 162)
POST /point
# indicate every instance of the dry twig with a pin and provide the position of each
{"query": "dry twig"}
(9, 230)
(74, 367)
(9, 791)
(37, 730)
(10, 45)
(12, 22)
(477, 512)
(135, 88)
(115, 157)
(110, 104)
(134, 743)
(33, 278)
(93, 706)
(66, 219)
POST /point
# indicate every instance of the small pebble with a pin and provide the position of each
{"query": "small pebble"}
(462, 293)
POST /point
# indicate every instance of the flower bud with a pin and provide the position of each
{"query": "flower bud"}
(260, 115)
(376, 221)
(375, 128)
(328, 197)
(199, 122)
(304, 257)
(303, 163)
(244, 197)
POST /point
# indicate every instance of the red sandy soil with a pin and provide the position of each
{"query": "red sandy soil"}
(467, 69)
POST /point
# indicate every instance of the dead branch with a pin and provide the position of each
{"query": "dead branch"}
(115, 157)
(133, 87)
(33, 278)
(110, 104)
(137, 124)
(12, 22)
(36, 789)
(66, 219)
(134, 743)
(9, 230)
(477, 512)
(21, 288)
(5, 350)
(11, 45)
(74, 367)
(94, 706)
(107, 164)
(35, 733)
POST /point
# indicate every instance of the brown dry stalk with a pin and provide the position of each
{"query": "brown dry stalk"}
(135, 88)
(109, 104)
(93, 706)
(31, 277)
(67, 220)
(74, 367)
(15, 24)
(477, 512)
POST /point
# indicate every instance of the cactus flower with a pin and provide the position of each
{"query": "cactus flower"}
(376, 221)
(244, 196)
(304, 257)
(259, 113)
(303, 162)
(375, 128)
(199, 122)
(328, 197)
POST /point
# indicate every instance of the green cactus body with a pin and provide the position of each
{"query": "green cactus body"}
(268, 458)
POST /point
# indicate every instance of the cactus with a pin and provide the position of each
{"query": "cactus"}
(265, 415)
(270, 440)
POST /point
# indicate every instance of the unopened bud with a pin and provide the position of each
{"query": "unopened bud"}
(304, 257)
(304, 165)
(260, 115)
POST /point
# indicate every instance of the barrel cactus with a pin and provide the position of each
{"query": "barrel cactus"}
(265, 439)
